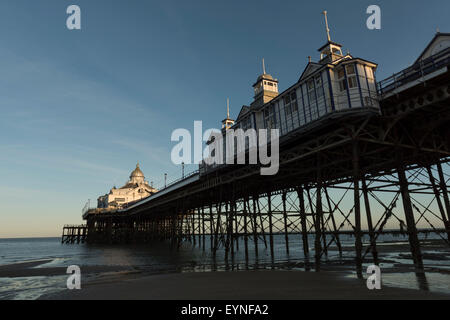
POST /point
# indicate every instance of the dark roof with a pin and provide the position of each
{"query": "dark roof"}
(310, 64)
(326, 44)
(244, 111)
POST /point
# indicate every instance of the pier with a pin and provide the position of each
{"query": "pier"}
(389, 154)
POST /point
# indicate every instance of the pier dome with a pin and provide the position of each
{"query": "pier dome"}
(134, 190)
(137, 173)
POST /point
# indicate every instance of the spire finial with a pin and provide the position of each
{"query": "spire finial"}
(137, 165)
(264, 66)
(228, 108)
(326, 24)
(437, 30)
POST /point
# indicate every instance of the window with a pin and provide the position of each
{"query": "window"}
(287, 99)
(287, 105)
(351, 75)
(267, 119)
(341, 80)
(246, 123)
(350, 69)
(270, 117)
(319, 87)
(294, 104)
(311, 92)
(318, 81)
(352, 83)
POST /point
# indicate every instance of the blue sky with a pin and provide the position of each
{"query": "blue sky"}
(80, 108)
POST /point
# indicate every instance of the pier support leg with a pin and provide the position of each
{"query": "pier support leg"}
(286, 237)
(410, 221)
(203, 227)
(255, 226)
(232, 231)
(263, 230)
(301, 201)
(369, 221)
(269, 204)
(228, 230)
(358, 241)
(191, 218)
(317, 225)
(236, 225)
(216, 231)
(443, 186)
(211, 227)
(333, 221)
(198, 227)
(180, 230)
(245, 229)
(439, 202)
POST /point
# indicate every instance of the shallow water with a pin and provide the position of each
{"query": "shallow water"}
(158, 257)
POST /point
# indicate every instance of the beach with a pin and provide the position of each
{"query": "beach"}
(124, 283)
(239, 285)
(37, 269)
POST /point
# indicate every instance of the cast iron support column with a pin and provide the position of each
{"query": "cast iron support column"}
(301, 200)
(369, 222)
(410, 221)
(358, 241)
(286, 237)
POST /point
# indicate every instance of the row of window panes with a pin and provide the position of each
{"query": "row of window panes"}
(270, 84)
(351, 77)
(270, 117)
(290, 103)
(246, 123)
(315, 90)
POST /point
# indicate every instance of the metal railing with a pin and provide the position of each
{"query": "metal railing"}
(414, 72)
(86, 207)
(189, 175)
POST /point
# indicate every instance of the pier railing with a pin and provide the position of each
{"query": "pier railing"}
(185, 177)
(416, 71)
(86, 207)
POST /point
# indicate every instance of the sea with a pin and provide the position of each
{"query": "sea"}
(159, 257)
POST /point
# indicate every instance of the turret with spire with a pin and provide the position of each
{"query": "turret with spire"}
(265, 88)
(227, 123)
(331, 51)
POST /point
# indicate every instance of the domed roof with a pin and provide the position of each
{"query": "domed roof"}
(137, 173)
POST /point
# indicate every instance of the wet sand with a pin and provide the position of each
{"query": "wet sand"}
(239, 285)
(28, 269)
(282, 280)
